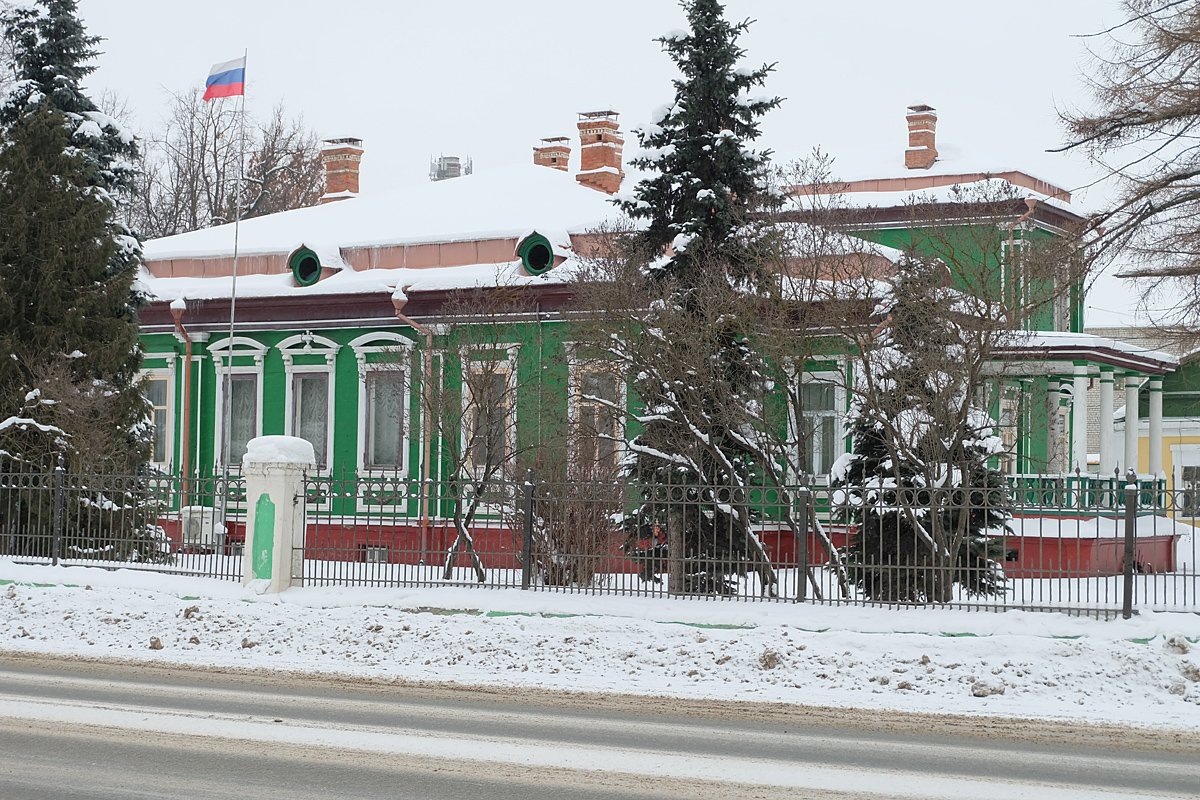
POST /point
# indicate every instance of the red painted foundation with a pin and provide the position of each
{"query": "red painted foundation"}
(1025, 556)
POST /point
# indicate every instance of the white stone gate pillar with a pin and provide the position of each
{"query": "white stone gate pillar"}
(274, 468)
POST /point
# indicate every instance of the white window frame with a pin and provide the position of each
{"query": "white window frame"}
(468, 358)
(368, 377)
(835, 378)
(382, 342)
(303, 344)
(575, 375)
(164, 374)
(222, 352)
(1008, 427)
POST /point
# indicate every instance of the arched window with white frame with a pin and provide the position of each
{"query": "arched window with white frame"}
(385, 385)
(597, 433)
(158, 387)
(239, 364)
(817, 420)
(489, 409)
(308, 364)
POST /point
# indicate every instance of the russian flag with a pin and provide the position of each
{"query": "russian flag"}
(226, 80)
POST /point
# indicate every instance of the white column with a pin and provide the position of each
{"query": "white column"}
(1132, 382)
(1107, 451)
(1156, 431)
(274, 468)
(1079, 418)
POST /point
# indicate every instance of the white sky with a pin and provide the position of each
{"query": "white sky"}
(488, 79)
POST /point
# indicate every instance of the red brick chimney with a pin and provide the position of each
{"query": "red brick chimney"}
(553, 152)
(600, 142)
(341, 158)
(922, 130)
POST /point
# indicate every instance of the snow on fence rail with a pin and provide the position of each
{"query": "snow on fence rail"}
(1135, 551)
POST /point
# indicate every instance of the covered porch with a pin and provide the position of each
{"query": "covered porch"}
(1058, 384)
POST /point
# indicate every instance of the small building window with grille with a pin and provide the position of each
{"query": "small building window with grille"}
(820, 436)
(310, 411)
(385, 419)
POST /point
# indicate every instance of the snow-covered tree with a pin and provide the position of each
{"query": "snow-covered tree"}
(6, 65)
(697, 246)
(704, 178)
(918, 483)
(67, 269)
(67, 265)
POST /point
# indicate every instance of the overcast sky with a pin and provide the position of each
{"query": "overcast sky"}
(488, 78)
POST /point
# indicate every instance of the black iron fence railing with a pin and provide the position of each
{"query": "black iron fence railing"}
(1126, 548)
(994, 548)
(151, 521)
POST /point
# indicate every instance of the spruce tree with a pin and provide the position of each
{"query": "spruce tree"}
(919, 483)
(704, 179)
(699, 243)
(67, 264)
(68, 327)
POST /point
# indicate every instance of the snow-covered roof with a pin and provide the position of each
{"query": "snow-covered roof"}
(879, 155)
(385, 281)
(987, 187)
(499, 203)
(952, 159)
(1066, 340)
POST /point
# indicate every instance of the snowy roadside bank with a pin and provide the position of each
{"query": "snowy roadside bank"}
(1145, 671)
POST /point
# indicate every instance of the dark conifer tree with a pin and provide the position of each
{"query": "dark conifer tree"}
(67, 265)
(699, 242)
(69, 358)
(929, 507)
(704, 178)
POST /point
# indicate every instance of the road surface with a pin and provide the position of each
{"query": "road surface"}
(115, 732)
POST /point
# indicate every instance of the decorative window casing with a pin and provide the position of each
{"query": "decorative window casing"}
(597, 420)
(489, 420)
(158, 387)
(1008, 426)
(244, 379)
(386, 424)
(385, 418)
(816, 426)
(308, 363)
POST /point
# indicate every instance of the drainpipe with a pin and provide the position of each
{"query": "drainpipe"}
(1030, 204)
(399, 300)
(178, 306)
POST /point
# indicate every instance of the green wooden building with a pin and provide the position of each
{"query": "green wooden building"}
(334, 308)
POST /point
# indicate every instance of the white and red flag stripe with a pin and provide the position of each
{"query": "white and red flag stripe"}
(226, 80)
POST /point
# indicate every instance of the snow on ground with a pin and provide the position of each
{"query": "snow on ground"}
(1142, 671)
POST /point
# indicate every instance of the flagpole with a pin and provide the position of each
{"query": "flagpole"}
(237, 220)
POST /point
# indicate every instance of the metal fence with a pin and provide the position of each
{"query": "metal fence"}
(1044, 545)
(1048, 548)
(149, 521)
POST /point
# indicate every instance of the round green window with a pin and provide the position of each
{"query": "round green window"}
(306, 267)
(536, 254)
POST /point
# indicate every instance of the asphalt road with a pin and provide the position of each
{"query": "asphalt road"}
(102, 732)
